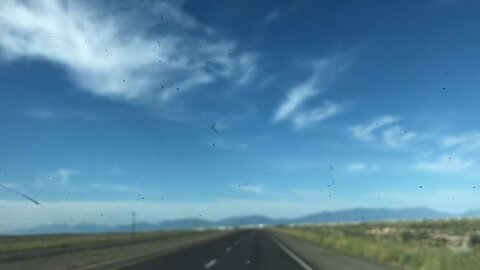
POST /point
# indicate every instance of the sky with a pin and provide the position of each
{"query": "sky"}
(213, 109)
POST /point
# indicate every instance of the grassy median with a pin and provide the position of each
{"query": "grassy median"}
(435, 245)
(10, 244)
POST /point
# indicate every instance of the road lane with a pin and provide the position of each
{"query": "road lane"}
(255, 249)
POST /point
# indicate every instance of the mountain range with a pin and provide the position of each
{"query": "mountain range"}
(350, 215)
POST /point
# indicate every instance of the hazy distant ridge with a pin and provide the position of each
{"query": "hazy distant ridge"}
(350, 215)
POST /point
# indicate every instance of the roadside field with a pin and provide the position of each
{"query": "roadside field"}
(15, 244)
(436, 245)
(93, 251)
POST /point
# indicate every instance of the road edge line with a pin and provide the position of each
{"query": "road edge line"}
(291, 253)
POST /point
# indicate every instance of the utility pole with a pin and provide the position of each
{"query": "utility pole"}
(133, 222)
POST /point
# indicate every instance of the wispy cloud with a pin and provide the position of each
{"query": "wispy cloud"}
(258, 189)
(361, 167)
(383, 130)
(396, 136)
(271, 16)
(463, 142)
(61, 176)
(445, 164)
(41, 114)
(116, 187)
(64, 175)
(44, 114)
(326, 110)
(453, 154)
(153, 49)
(290, 109)
(366, 132)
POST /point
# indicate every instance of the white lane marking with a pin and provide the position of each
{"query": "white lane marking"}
(291, 254)
(228, 249)
(247, 261)
(210, 263)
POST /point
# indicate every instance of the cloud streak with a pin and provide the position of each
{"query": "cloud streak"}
(366, 132)
(395, 137)
(61, 176)
(445, 164)
(361, 167)
(115, 187)
(257, 189)
(153, 50)
(41, 114)
(383, 129)
(464, 142)
(323, 71)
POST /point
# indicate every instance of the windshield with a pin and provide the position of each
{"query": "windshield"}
(239, 134)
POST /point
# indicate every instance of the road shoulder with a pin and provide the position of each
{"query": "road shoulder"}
(321, 258)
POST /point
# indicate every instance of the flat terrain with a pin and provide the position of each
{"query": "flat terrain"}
(10, 245)
(253, 249)
(432, 245)
(50, 252)
(241, 249)
(425, 245)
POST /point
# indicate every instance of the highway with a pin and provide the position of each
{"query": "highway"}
(253, 249)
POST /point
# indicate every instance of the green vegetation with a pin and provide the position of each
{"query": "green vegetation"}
(426, 245)
(10, 244)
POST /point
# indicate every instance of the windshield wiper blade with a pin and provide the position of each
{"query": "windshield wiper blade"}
(21, 194)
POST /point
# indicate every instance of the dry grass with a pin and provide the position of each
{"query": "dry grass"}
(9, 244)
(435, 245)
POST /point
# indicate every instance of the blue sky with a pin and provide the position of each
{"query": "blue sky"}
(108, 108)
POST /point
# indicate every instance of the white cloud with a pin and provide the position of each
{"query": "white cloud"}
(64, 175)
(383, 130)
(116, 187)
(60, 176)
(296, 97)
(271, 16)
(396, 137)
(119, 53)
(465, 142)
(49, 114)
(290, 109)
(445, 164)
(361, 167)
(306, 118)
(258, 189)
(366, 132)
(41, 114)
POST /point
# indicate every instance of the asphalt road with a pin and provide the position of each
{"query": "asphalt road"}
(255, 249)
